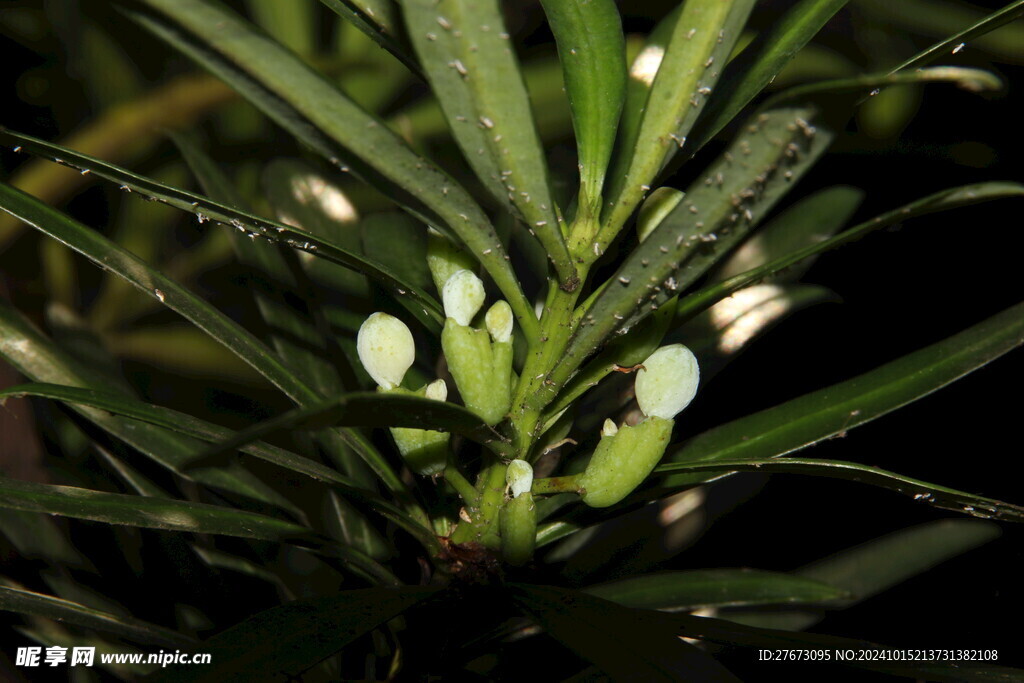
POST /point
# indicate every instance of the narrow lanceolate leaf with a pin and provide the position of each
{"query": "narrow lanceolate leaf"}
(592, 51)
(626, 644)
(726, 329)
(226, 331)
(811, 220)
(933, 494)
(183, 423)
(719, 210)
(684, 75)
(36, 357)
(759, 63)
(876, 566)
(380, 20)
(366, 410)
(940, 201)
(51, 607)
(810, 418)
(689, 590)
(318, 114)
(418, 302)
(285, 641)
(149, 513)
(469, 59)
(942, 48)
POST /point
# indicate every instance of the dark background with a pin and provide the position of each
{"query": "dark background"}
(902, 289)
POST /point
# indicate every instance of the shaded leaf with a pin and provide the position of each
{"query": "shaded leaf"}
(318, 114)
(365, 410)
(183, 423)
(149, 513)
(49, 607)
(940, 201)
(467, 54)
(933, 494)
(419, 303)
(808, 221)
(38, 358)
(379, 20)
(627, 644)
(876, 566)
(688, 590)
(758, 65)
(286, 640)
(808, 419)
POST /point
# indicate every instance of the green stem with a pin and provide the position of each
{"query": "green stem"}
(458, 482)
(488, 504)
(567, 484)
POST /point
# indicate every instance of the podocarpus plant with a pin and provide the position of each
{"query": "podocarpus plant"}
(573, 328)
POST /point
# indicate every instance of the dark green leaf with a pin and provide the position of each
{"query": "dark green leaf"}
(418, 302)
(592, 51)
(149, 513)
(758, 65)
(38, 358)
(810, 418)
(940, 201)
(365, 410)
(627, 644)
(183, 423)
(226, 331)
(689, 590)
(720, 208)
(50, 607)
(317, 113)
(682, 76)
(876, 566)
(467, 54)
(284, 641)
(400, 242)
(379, 20)
(811, 220)
(933, 494)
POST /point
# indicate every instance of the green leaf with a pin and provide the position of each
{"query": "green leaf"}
(318, 114)
(689, 590)
(149, 513)
(811, 220)
(293, 24)
(983, 26)
(418, 302)
(720, 208)
(50, 607)
(682, 75)
(722, 332)
(592, 51)
(38, 358)
(366, 410)
(400, 242)
(933, 494)
(940, 201)
(467, 54)
(627, 644)
(380, 20)
(301, 195)
(285, 641)
(758, 65)
(184, 423)
(806, 420)
(229, 333)
(876, 566)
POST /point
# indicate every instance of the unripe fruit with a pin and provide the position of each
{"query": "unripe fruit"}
(463, 295)
(444, 259)
(519, 477)
(623, 460)
(518, 529)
